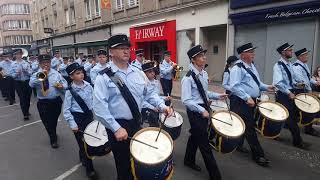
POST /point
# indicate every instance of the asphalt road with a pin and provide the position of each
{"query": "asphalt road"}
(27, 155)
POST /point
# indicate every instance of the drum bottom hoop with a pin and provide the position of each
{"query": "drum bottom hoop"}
(306, 119)
(224, 145)
(166, 176)
(269, 129)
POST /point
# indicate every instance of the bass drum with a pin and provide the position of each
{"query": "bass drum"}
(308, 106)
(96, 140)
(173, 124)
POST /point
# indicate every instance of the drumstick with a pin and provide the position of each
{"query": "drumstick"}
(303, 101)
(221, 121)
(264, 108)
(229, 109)
(133, 139)
(161, 126)
(97, 127)
(89, 135)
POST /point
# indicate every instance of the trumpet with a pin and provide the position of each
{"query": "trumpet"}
(178, 68)
(41, 76)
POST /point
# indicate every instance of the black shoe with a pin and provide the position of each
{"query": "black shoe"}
(262, 161)
(192, 166)
(12, 102)
(243, 150)
(303, 145)
(26, 118)
(92, 175)
(313, 133)
(54, 145)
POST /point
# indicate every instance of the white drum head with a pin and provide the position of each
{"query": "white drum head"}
(218, 105)
(236, 128)
(307, 103)
(273, 111)
(174, 120)
(149, 155)
(96, 129)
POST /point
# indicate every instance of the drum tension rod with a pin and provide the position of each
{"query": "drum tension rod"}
(302, 101)
(90, 135)
(133, 139)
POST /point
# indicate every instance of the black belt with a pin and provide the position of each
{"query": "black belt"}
(50, 100)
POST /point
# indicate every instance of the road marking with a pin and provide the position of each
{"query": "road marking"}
(19, 127)
(68, 173)
(9, 106)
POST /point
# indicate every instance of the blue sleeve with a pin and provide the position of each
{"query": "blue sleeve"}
(34, 82)
(152, 97)
(101, 107)
(235, 83)
(93, 75)
(67, 110)
(186, 96)
(278, 80)
(213, 95)
(225, 81)
(165, 70)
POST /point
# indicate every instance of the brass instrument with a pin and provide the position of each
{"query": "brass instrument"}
(178, 68)
(41, 76)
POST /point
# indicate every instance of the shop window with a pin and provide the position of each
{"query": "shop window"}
(215, 49)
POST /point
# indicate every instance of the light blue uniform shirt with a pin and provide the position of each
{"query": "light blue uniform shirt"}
(190, 95)
(280, 78)
(87, 67)
(23, 67)
(62, 69)
(55, 62)
(155, 85)
(6, 66)
(166, 70)
(35, 66)
(242, 83)
(108, 103)
(70, 105)
(95, 70)
(53, 77)
(226, 80)
(79, 61)
(137, 64)
(300, 75)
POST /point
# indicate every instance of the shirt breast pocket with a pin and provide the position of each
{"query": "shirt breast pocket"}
(113, 89)
(138, 88)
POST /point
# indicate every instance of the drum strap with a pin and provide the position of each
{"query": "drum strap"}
(125, 92)
(200, 89)
(250, 72)
(287, 71)
(81, 103)
(308, 74)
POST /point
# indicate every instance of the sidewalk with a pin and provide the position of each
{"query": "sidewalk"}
(176, 90)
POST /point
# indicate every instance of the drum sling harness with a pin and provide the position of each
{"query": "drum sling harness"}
(125, 92)
(287, 71)
(240, 65)
(308, 74)
(81, 103)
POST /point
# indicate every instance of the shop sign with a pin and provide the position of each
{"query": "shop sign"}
(152, 32)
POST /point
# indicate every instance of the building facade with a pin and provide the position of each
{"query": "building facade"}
(154, 25)
(268, 24)
(15, 23)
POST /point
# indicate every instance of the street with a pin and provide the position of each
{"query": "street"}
(26, 154)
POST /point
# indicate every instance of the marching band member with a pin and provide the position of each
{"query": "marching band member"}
(122, 118)
(63, 69)
(49, 89)
(21, 72)
(8, 81)
(76, 117)
(56, 61)
(226, 74)
(302, 75)
(166, 69)
(246, 87)
(139, 59)
(102, 64)
(80, 59)
(283, 80)
(198, 109)
(91, 62)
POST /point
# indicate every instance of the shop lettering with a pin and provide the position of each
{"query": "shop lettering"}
(149, 32)
(289, 13)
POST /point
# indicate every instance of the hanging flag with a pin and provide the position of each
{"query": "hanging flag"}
(105, 4)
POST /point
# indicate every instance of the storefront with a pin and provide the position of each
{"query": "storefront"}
(154, 38)
(269, 25)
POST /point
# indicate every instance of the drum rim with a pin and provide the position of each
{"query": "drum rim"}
(171, 116)
(156, 129)
(94, 121)
(235, 114)
(270, 101)
(308, 94)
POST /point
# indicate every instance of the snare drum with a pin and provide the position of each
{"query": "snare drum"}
(229, 132)
(148, 163)
(93, 145)
(309, 106)
(173, 124)
(271, 117)
(264, 97)
(218, 105)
